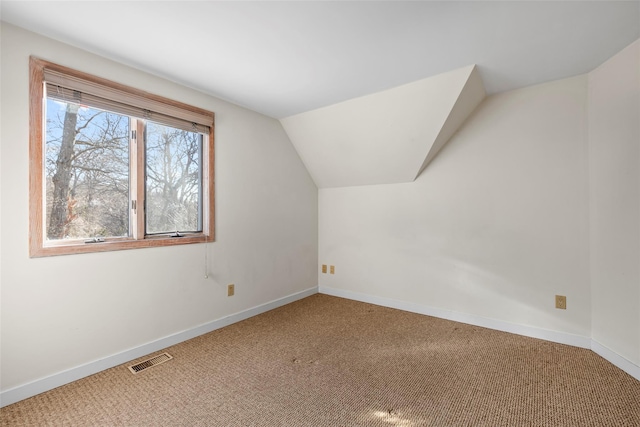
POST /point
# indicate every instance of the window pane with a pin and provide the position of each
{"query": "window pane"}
(173, 179)
(86, 171)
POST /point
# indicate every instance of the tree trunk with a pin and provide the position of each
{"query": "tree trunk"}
(62, 177)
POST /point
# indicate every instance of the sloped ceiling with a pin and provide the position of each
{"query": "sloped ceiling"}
(288, 59)
(387, 137)
(283, 58)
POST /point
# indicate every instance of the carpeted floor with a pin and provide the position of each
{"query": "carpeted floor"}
(326, 361)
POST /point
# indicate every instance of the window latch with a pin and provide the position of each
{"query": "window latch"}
(95, 240)
(177, 234)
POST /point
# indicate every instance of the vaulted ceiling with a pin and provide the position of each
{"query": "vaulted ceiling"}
(285, 58)
(387, 137)
(368, 92)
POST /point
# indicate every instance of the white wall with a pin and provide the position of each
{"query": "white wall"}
(614, 171)
(62, 312)
(384, 137)
(500, 221)
(494, 227)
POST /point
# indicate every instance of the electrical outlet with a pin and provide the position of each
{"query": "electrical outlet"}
(324, 268)
(231, 290)
(332, 269)
(561, 302)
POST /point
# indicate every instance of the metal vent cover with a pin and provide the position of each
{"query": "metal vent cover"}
(155, 360)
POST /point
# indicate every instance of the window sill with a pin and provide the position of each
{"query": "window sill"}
(115, 244)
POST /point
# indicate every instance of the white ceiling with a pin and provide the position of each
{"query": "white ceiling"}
(386, 137)
(284, 58)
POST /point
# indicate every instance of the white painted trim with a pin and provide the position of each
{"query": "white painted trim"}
(528, 331)
(471, 319)
(61, 378)
(56, 380)
(615, 359)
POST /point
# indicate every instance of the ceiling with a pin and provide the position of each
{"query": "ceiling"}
(285, 58)
(387, 137)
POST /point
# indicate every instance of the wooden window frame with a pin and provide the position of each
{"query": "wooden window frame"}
(37, 245)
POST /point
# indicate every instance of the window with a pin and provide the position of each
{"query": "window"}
(112, 167)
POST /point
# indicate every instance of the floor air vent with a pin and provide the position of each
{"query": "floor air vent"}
(156, 360)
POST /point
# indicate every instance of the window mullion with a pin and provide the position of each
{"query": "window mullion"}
(140, 178)
(137, 179)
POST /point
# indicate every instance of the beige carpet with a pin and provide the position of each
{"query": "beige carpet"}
(326, 361)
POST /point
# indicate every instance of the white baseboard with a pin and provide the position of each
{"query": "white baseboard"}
(553, 336)
(56, 380)
(615, 359)
(471, 319)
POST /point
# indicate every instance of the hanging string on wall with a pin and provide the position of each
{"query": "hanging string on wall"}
(206, 263)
